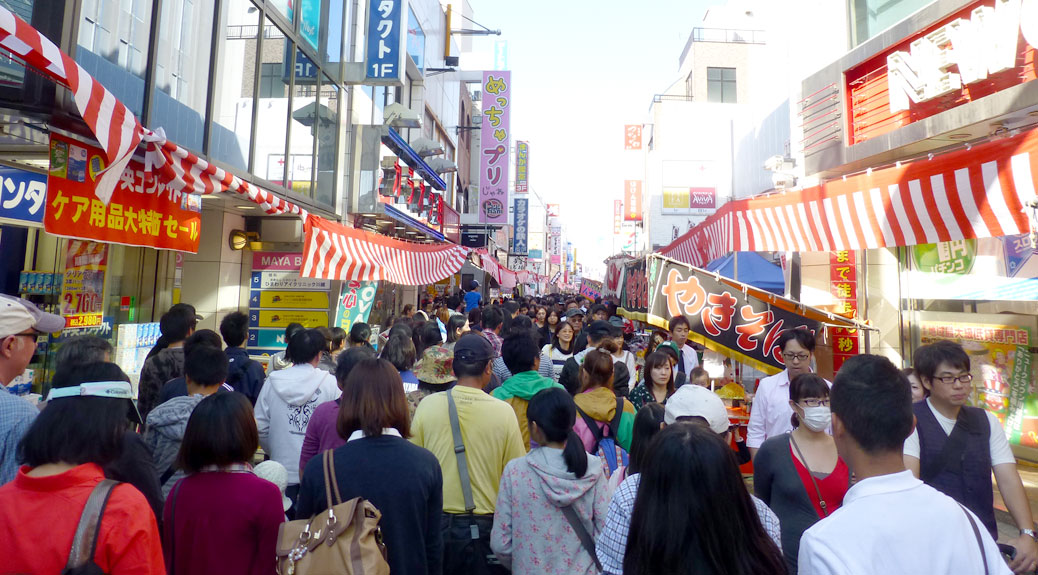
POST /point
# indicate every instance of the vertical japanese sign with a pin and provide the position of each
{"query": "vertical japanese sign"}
(1000, 362)
(554, 210)
(633, 200)
(143, 212)
(494, 145)
(618, 216)
(355, 299)
(632, 137)
(522, 167)
(385, 49)
(22, 195)
(82, 292)
(178, 275)
(843, 284)
(520, 236)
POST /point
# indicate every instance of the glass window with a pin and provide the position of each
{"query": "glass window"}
(720, 85)
(233, 92)
(305, 117)
(268, 160)
(285, 7)
(113, 46)
(334, 39)
(327, 123)
(415, 40)
(12, 71)
(870, 17)
(182, 70)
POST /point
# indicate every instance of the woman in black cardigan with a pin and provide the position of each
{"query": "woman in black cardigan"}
(378, 463)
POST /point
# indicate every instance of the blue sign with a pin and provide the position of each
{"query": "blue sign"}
(23, 195)
(521, 221)
(305, 69)
(385, 55)
(267, 338)
(310, 20)
(1018, 250)
(536, 254)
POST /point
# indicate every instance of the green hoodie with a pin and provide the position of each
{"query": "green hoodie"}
(517, 390)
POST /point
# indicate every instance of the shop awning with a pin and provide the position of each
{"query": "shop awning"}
(334, 251)
(753, 270)
(976, 192)
(730, 317)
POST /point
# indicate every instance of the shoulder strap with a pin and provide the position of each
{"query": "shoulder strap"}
(952, 451)
(592, 426)
(614, 425)
(821, 500)
(582, 534)
(980, 540)
(172, 527)
(459, 454)
(84, 543)
(331, 484)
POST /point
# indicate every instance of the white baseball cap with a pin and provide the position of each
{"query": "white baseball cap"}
(694, 401)
(18, 315)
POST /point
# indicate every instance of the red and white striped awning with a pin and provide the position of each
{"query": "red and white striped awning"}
(334, 251)
(969, 193)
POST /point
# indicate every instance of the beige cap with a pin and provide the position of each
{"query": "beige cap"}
(691, 400)
(18, 315)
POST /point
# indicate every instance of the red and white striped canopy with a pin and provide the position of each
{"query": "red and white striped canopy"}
(334, 251)
(970, 193)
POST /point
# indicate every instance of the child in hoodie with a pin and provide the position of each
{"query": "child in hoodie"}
(522, 357)
(598, 400)
(288, 399)
(532, 533)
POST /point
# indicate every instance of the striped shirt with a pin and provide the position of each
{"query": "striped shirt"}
(558, 359)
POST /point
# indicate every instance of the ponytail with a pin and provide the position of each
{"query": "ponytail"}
(554, 412)
(574, 454)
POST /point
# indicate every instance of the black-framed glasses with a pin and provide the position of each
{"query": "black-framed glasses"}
(951, 379)
(31, 335)
(796, 356)
(812, 402)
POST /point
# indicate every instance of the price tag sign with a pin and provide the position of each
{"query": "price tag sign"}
(82, 293)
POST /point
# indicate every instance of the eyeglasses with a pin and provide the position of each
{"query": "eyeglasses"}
(951, 379)
(31, 335)
(814, 402)
(796, 356)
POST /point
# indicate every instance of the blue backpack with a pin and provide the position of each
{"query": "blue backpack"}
(613, 456)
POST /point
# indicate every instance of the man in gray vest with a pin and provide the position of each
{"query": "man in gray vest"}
(955, 447)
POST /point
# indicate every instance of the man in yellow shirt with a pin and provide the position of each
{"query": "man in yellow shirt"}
(471, 473)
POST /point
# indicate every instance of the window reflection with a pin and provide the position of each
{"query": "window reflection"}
(113, 46)
(268, 160)
(306, 115)
(182, 70)
(233, 93)
(327, 134)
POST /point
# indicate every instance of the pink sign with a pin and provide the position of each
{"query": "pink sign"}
(493, 149)
(702, 198)
(277, 261)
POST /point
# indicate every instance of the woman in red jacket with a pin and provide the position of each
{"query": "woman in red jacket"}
(81, 429)
(221, 518)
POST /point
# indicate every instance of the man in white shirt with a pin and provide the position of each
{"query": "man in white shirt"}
(770, 413)
(956, 447)
(679, 330)
(890, 522)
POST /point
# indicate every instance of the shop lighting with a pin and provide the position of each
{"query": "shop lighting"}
(397, 115)
(427, 147)
(442, 165)
(240, 239)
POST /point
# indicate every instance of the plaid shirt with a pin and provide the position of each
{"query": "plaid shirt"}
(612, 542)
(16, 415)
(494, 339)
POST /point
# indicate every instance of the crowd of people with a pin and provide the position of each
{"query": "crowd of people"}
(520, 435)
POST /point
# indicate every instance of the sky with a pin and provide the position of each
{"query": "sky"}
(580, 71)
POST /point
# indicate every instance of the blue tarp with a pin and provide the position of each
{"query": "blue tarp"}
(753, 270)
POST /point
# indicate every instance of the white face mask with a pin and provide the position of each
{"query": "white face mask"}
(817, 418)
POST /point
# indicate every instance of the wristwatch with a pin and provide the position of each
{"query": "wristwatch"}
(1030, 533)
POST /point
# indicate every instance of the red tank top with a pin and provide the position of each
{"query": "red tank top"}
(833, 487)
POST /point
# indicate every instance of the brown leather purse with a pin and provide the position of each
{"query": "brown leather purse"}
(344, 539)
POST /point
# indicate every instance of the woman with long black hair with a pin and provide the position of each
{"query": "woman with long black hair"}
(457, 324)
(560, 349)
(549, 491)
(693, 513)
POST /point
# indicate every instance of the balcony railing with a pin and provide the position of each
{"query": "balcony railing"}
(728, 35)
(247, 31)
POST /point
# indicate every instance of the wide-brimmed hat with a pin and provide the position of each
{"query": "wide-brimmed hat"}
(436, 366)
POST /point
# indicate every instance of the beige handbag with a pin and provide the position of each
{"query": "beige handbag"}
(344, 539)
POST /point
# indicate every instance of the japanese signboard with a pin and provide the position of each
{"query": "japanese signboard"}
(279, 296)
(618, 216)
(310, 21)
(689, 187)
(632, 200)
(632, 137)
(143, 212)
(590, 289)
(493, 148)
(723, 318)
(843, 285)
(22, 195)
(82, 292)
(1017, 250)
(522, 167)
(385, 55)
(634, 290)
(520, 235)
(554, 210)
(1000, 362)
(955, 257)
(355, 299)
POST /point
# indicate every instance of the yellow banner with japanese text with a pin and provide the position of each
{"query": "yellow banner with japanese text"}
(143, 211)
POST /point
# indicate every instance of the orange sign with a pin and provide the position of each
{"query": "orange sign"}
(632, 200)
(618, 216)
(632, 137)
(143, 212)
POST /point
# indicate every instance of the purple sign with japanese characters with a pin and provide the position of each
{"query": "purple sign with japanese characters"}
(493, 148)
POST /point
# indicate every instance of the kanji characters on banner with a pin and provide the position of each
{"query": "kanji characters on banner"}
(494, 147)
